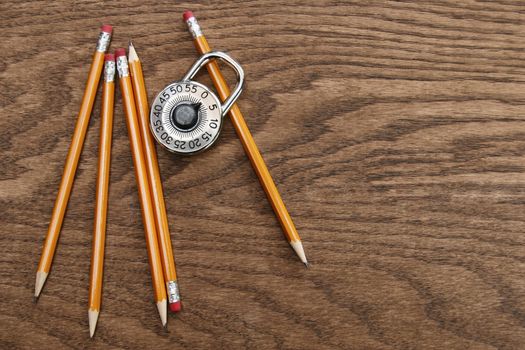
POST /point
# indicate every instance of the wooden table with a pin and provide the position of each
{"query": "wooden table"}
(395, 132)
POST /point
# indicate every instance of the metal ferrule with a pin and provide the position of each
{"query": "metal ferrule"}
(103, 41)
(122, 66)
(194, 27)
(173, 292)
(109, 71)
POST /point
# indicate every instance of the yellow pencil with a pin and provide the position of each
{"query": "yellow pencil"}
(101, 205)
(141, 177)
(68, 176)
(247, 141)
(157, 196)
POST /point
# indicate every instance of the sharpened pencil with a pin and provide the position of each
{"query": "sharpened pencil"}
(141, 177)
(101, 204)
(155, 184)
(247, 141)
(70, 167)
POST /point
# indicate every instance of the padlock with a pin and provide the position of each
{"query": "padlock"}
(186, 116)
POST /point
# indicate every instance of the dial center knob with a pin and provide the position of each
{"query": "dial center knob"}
(185, 116)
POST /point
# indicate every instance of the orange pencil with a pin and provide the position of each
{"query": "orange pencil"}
(73, 155)
(247, 141)
(101, 205)
(157, 196)
(141, 176)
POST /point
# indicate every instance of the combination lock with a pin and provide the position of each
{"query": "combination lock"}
(186, 117)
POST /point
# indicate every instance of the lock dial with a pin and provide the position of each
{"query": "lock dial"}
(186, 117)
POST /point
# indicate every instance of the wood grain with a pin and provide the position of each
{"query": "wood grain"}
(395, 132)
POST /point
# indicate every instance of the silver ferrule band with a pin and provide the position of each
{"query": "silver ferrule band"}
(103, 41)
(122, 66)
(173, 292)
(109, 71)
(194, 27)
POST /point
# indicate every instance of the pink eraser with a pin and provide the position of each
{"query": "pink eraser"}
(175, 307)
(120, 52)
(187, 15)
(107, 28)
(109, 57)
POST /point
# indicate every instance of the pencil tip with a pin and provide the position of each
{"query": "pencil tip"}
(162, 306)
(307, 265)
(35, 299)
(93, 318)
(132, 53)
(299, 250)
(39, 282)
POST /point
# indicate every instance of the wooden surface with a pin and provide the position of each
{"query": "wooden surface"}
(395, 132)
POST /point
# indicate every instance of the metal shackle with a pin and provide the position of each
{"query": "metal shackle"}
(204, 59)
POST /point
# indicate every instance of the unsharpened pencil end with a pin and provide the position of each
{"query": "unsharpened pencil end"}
(109, 57)
(106, 28)
(299, 250)
(163, 311)
(93, 318)
(39, 282)
(187, 15)
(175, 307)
(120, 52)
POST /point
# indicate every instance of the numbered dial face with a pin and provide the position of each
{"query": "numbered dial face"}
(186, 117)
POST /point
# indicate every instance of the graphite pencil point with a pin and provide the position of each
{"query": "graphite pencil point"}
(39, 283)
(132, 54)
(299, 250)
(162, 307)
(93, 318)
